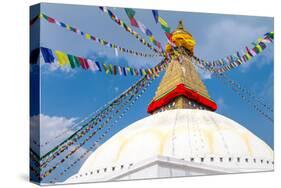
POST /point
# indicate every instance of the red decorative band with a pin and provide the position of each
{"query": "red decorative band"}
(181, 90)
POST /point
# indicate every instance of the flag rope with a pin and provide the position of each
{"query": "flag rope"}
(244, 97)
(63, 59)
(145, 30)
(72, 128)
(240, 57)
(161, 64)
(79, 133)
(89, 36)
(96, 143)
(122, 24)
(44, 164)
(50, 170)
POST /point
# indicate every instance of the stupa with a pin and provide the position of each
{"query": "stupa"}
(183, 136)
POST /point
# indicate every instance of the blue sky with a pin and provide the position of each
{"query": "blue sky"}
(70, 95)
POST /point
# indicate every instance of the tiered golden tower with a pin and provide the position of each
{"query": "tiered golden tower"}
(181, 86)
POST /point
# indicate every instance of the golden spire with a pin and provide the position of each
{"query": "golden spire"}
(180, 25)
(181, 28)
(181, 86)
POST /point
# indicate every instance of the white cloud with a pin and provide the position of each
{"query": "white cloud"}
(50, 128)
(49, 68)
(227, 36)
(205, 75)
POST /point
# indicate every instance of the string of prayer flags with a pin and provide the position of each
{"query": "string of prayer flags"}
(245, 96)
(164, 25)
(232, 61)
(131, 13)
(91, 37)
(97, 118)
(136, 23)
(270, 35)
(135, 92)
(121, 23)
(72, 61)
(130, 103)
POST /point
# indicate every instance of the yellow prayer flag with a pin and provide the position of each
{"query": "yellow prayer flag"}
(151, 39)
(67, 26)
(259, 48)
(87, 36)
(162, 21)
(62, 58)
(248, 56)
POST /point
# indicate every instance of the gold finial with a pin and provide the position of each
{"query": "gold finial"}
(181, 37)
(180, 25)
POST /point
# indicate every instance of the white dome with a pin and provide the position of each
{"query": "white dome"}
(198, 136)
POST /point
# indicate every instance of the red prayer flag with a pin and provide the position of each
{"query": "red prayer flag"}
(81, 61)
(114, 70)
(86, 63)
(134, 22)
(51, 20)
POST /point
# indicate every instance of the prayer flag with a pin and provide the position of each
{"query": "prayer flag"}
(116, 52)
(130, 12)
(82, 62)
(248, 50)
(263, 46)
(111, 69)
(71, 61)
(47, 55)
(134, 22)
(148, 32)
(105, 68)
(143, 72)
(124, 71)
(92, 65)
(76, 60)
(162, 22)
(141, 26)
(62, 58)
(114, 70)
(120, 70)
(98, 65)
(259, 48)
(155, 15)
(87, 36)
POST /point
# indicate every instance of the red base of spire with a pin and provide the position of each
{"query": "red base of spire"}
(181, 90)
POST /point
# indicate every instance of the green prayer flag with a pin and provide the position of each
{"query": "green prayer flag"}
(166, 29)
(71, 61)
(77, 63)
(130, 12)
(105, 68)
(111, 69)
